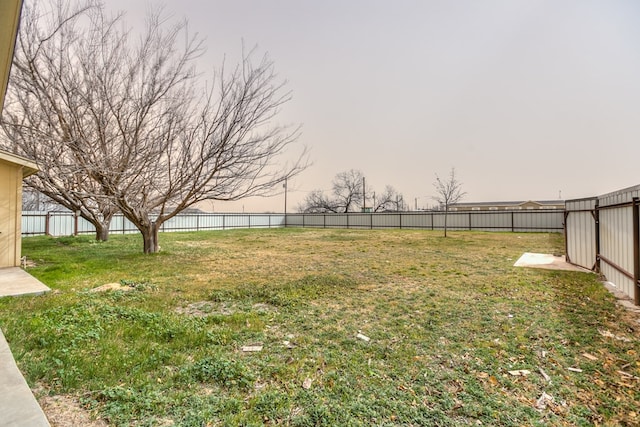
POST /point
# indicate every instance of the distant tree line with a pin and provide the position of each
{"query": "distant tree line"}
(350, 194)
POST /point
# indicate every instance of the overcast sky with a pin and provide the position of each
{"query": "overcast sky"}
(526, 99)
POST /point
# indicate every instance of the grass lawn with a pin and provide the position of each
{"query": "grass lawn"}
(447, 320)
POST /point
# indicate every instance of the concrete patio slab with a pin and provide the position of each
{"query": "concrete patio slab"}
(18, 405)
(14, 281)
(547, 261)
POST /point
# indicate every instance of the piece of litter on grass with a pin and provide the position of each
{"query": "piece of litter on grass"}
(251, 348)
(544, 375)
(510, 316)
(543, 400)
(520, 373)
(608, 334)
(574, 369)
(306, 384)
(589, 356)
(627, 375)
(363, 337)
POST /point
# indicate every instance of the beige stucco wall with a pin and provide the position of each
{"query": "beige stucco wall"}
(11, 174)
(10, 212)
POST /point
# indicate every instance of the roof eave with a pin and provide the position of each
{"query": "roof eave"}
(28, 167)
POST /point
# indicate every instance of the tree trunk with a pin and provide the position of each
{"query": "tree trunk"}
(101, 223)
(150, 238)
(102, 232)
(446, 213)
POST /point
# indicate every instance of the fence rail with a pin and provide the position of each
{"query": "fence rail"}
(66, 223)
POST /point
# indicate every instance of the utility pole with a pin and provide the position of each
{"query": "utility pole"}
(285, 195)
(364, 196)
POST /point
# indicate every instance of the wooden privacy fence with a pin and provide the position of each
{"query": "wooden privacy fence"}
(66, 223)
(602, 234)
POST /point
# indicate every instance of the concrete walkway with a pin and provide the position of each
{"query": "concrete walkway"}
(18, 406)
(14, 281)
(546, 261)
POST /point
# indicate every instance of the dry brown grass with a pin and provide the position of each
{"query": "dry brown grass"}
(447, 320)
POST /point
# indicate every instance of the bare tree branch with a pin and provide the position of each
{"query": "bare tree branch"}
(126, 123)
(388, 200)
(44, 108)
(347, 196)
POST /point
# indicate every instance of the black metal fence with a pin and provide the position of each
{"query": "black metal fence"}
(514, 221)
(66, 223)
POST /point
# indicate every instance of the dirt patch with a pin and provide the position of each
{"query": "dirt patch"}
(205, 308)
(66, 411)
(263, 308)
(208, 308)
(632, 311)
(112, 287)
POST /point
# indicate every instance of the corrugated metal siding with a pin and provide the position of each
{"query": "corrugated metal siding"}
(387, 220)
(620, 196)
(616, 237)
(457, 221)
(293, 220)
(210, 222)
(306, 220)
(33, 223)
(335, 220)
(616, 228)
(492, 221)
(120, 225)
(358, 220)
(62, 223)
(581, 232)
(420, 220)
(616, 244)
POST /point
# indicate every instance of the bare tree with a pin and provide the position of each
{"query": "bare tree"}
(139, 128)
(448, 192)
(317, 202)
(348, 190)
(42, 107)
(388, 200)
(346, 195)
(33, 200)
